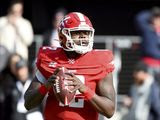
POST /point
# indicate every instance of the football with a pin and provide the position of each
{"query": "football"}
(61, 91)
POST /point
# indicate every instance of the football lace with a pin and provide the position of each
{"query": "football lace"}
(57, 86)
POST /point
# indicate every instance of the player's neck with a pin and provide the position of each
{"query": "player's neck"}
(72, 54)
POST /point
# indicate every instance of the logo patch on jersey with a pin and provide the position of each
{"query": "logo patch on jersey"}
(52, 64)
(71, 61)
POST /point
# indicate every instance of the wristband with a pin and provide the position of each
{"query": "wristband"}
(88, 94)
(43, 90)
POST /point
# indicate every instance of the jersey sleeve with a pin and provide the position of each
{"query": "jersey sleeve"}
(39, 72)
(109, 62)
(44, 59)
(106, 59)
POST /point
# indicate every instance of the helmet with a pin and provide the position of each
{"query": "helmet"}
(76, 22)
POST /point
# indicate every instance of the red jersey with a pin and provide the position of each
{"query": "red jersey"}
(89, 68)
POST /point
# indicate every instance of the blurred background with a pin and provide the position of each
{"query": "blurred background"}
(117, 15)
(115, 28)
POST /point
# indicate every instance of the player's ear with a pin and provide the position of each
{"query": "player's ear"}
(62, 39)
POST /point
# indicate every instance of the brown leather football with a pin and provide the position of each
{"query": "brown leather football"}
(61, 91)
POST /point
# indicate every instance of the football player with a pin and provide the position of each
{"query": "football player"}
(90, 73)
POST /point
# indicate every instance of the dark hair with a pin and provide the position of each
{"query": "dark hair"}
(13, 2)
(141, 66)
(155, 11)
(62, 10)
(59, 10)
(11, 56)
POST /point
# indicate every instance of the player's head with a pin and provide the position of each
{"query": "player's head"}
(76, 33)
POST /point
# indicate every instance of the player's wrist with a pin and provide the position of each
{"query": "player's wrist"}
(88, 94)
(43, 90)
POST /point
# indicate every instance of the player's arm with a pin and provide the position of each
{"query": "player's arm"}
(32, 96)
(104, 99)
(36, 92)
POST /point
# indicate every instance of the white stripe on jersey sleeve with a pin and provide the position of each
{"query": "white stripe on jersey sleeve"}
(40, 77)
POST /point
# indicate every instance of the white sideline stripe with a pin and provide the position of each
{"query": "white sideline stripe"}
(40, 77)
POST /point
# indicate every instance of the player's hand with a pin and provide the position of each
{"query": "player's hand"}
(51, 80)
(76, 82)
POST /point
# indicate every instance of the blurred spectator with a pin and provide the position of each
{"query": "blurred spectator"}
(16, 33)
(50, 37)
(7, 81)
(148, 24)
(23, 82)
(13, 84)
(144, 96)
